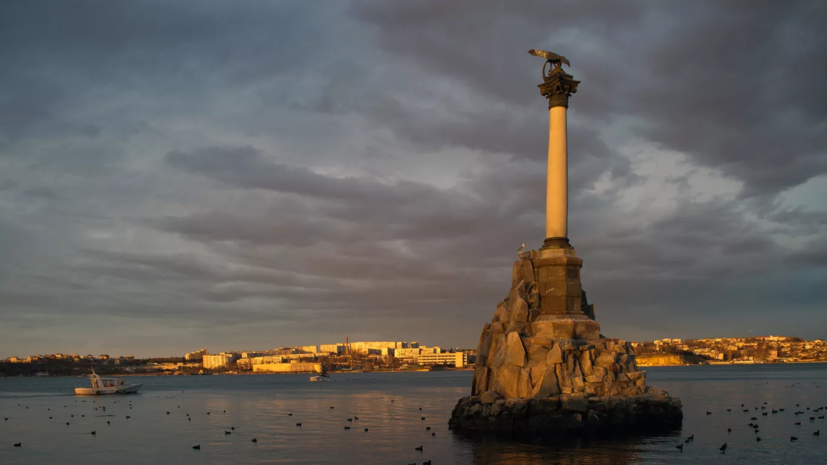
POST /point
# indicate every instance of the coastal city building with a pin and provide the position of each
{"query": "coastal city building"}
(758, 349)
(222, 360)
(198, 355)
(298, 367)
(395, 355)
(456, 359)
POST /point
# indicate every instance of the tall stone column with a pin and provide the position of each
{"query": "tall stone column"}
(557, 195)
(557, 87)
(556, 264)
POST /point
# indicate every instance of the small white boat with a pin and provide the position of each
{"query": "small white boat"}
(104, 386)
(321, 377)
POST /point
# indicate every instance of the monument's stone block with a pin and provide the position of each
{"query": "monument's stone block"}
(515, 352)
(534, 350)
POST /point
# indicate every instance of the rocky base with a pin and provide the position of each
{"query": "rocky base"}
(567, 414)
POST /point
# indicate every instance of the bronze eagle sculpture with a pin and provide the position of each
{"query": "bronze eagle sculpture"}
(552, 57)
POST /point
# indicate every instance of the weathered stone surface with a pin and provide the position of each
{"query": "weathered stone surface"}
(605, 360)
(516, 274)
(534, 301)
(489, 397)
(527, 271)
(480, 380)
(585, 363)
(599, 370)
(538, 341)
(574, 403)
(536, 351)
(520, 310)
(594, 379)
(524, 388)
(503, 380)
(566, 344)
(515, 353)
(496, 356)
(484, 346)
(555, 355)
(549, 386)
(513, 296)
(520, 327)
(576, 372)
(537, 370)
(655, 411)
(501, 314)
(636, 375)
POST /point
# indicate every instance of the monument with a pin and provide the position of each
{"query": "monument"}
(542, 364)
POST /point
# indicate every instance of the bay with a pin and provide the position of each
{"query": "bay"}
(388, 405)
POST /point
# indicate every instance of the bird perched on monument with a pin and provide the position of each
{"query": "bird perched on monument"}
(518, 250)
(550, 56)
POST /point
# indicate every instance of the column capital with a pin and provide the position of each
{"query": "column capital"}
(557, 87)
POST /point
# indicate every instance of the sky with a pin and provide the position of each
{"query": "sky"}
(249, 175)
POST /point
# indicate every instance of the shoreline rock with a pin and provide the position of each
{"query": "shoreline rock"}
(567, 414)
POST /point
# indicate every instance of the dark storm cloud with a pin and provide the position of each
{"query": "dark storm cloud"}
(698, 76)
(245, 167)
(248, 175)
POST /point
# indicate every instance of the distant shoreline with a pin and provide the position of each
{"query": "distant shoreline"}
(122, 375)
(731, 364)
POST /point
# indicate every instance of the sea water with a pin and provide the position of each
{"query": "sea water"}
(394, 413)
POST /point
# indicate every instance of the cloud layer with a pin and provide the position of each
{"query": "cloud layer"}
(175, 176)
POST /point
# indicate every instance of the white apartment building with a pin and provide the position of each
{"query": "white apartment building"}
(457, 359)
(222, 360)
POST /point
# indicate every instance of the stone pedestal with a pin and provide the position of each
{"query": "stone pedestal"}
(558, 280)
(540, 345)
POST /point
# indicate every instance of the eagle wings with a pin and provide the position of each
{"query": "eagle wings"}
(550, 56)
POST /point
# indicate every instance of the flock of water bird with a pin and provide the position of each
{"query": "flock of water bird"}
(753, 425)
(232, 429)
(812, 415)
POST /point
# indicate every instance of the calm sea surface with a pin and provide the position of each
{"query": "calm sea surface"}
(388, 405)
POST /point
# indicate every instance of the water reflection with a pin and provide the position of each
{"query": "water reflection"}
(568, 450)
